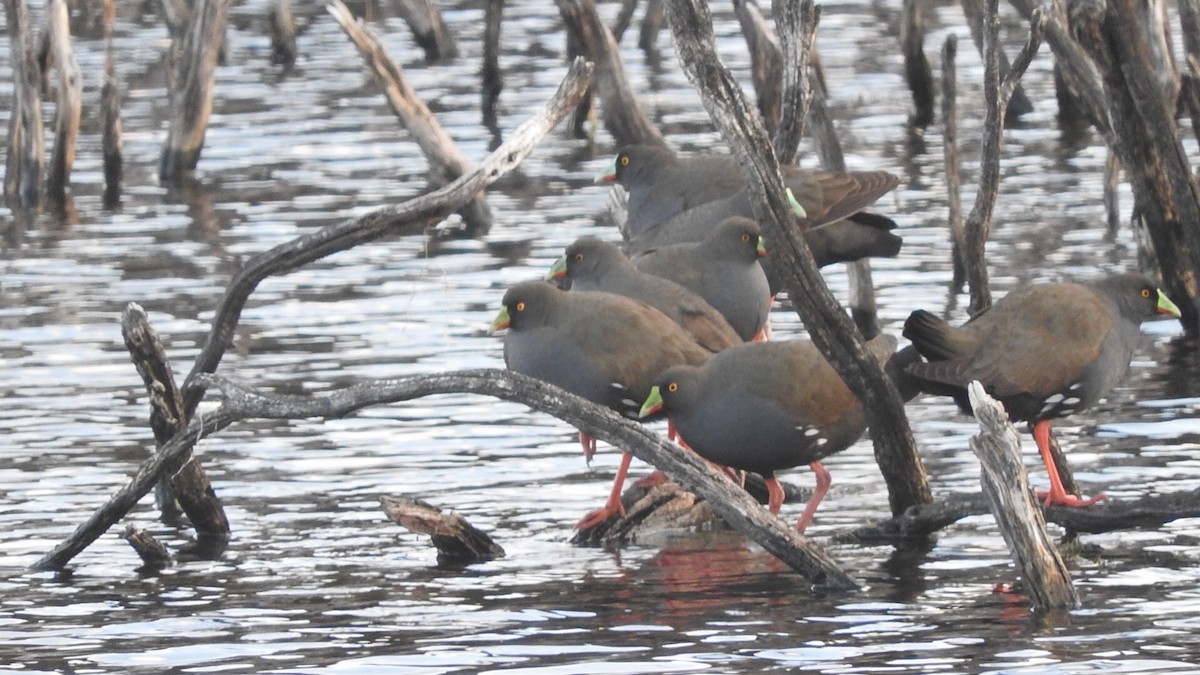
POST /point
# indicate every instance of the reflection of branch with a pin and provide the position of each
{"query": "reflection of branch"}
(410, 217)
(729, 501)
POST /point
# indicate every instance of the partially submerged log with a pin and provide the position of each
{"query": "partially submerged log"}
(110, 110)
(458, 542)
(154, 554)
(953, 166)
(69, 108)
(281, 26)
(493, 77)
(1012, 502)
(428, 29)
(917, 72)
(26, 146)
(446, 163)
(189, 486)
(190, 87)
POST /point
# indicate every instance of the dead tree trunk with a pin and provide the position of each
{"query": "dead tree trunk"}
(917, 72)
(110, 106)
(282, 29)
(190, 88)
(446, 163)
(493, 77)
(830, 328)
(26, 147)
(1020, 104)
(70, 101)
(766, 61)
(428, 29)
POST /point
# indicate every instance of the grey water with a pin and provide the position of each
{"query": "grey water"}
(316, 580)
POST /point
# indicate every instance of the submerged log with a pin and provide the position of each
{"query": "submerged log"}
(410, 217)
(26, 146)
(830, 328)
(153, 553)
(281, 26)
(190, 485)
(110, 110)
(193, 69)
(428, 29)
(458, 542)
(70, 101)
(1012, 502)
(446, 163)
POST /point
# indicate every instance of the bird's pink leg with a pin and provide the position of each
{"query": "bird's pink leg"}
(1057, 494)
(824, 480)
(613, 506)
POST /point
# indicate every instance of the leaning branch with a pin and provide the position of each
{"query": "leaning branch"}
(734, 505)
(410, 217)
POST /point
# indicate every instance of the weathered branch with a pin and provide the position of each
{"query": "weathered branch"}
(917, 72)
(410, 217)
(26, 146)
(110, 105)
(996, 94)
(190, 485)
(623, 115)
(239, 403)
(954, 215)
(428, 29)
(458, 542)
(446, 163)
(766, 61)
(191, 87)
(1006, 486)
(830, 328)
(69, 108)
(796, 24)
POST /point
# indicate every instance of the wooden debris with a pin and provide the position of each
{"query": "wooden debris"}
(281, 26)
(153, 553)
(1012, 502)
(189, 485)
(766, 60)
(428, 29)
(493, 77)
(110, 107)
(70, 101)
(1019, 103)
(457, 541)
(26, 146)
(953, 166)
(917, 72)
(446, 163)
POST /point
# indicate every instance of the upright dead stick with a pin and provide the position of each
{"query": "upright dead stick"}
(26, 146)
(446, 163)
(1006, 486)
(830, 328)
(70, 101)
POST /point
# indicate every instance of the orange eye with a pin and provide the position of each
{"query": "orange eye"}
(624, 160)
(672, 387)
(1145, 292)
(578, 257)
(745, 237)
(520, 307)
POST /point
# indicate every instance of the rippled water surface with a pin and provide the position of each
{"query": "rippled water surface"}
(317, 580)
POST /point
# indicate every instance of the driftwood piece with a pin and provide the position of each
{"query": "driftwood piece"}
(917, 72)
(458, 542)
(766, 61)
(190, 485)
(26, 146)
(796, 26)
(110, 110)
(69, 109)
(1006, 486)
(281, 26)
(411, 217)
(652, 22)
(446, 163)
(954, 214)
(154, 553)
(997, 94)
(492, 76)
(623, 115)
(830, 328)
(239, 403)
(624, 18)
(428, 29)
(193, 68)
(1020, 103)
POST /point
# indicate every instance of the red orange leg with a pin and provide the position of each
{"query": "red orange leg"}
(1057, 494)
(613, 506)
(774, 495)
(824, 480)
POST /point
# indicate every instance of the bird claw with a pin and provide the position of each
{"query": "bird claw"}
(1048, 498)
(599, 517)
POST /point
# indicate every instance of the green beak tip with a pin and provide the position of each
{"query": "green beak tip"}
(1165, 305)
(608, 173)
(558, 269)
(796, 207)
(501, 320)
(653, 402)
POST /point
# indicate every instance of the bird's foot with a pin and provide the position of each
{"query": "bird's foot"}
(599, 517)
(651, 481)
(1049, 498)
